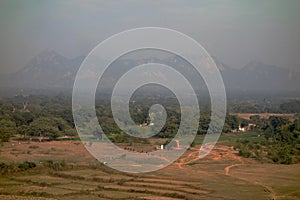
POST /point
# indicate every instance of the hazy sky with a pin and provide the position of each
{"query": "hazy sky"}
(235, 31)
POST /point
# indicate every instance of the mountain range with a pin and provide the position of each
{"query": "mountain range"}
(50, 70)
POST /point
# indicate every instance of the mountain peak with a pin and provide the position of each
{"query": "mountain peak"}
(46, 62)
(47, 69)
(254, 65)
(48, 55)
(47, 51)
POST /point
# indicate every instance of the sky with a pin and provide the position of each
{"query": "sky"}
(234, 31)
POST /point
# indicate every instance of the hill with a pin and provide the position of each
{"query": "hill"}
(50, 70)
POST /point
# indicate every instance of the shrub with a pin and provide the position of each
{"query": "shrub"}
(3, 165)
(281, 154)
(244, 151)
(33, 147)
(26, 165)
(258, 154)
(55, 165)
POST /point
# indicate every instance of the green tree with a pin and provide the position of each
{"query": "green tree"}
(7, 129)
(233, 121)
(23, 130)
(44, 127)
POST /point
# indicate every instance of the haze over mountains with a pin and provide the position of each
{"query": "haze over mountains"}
(50, 70)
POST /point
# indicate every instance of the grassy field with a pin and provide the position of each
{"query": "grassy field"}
(220, 175)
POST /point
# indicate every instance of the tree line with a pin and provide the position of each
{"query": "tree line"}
(38, 117)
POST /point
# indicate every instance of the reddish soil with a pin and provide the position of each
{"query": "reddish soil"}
(71, 151)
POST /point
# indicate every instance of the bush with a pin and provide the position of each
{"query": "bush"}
(26, 165)
(33, 147)
(281, 154)
(15, 167)
(258, 154)
(4, 137)
(3, 165)
(55, 165)
(244, 151)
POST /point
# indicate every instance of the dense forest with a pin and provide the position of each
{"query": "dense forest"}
(41, 117)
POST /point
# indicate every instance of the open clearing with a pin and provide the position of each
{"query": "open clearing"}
(220, 175)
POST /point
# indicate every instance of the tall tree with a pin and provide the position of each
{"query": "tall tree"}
(8, 128)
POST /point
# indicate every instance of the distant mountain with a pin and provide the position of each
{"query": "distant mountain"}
(50, 70)
(257, 76)
(47, 70)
